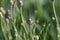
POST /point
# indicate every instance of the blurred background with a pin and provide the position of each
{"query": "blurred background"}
(29, 19)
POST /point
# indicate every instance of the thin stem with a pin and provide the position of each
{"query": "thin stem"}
(46, 31)
(55, 16)
(11, 11)
(23, 20)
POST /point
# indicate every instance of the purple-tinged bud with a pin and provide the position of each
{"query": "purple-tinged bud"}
(36, 37)
(30, 20)
(8, 11)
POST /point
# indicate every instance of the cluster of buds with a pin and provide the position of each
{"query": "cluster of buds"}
(2, 11)
(12, 1)
(6, 15)
(21, 2)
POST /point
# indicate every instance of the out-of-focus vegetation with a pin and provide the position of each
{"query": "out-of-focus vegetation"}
(29, 19)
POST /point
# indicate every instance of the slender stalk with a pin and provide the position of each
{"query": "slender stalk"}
(46, 31)
(3, 29)
(11, 11)
(54, 10)
(23, 20)
(16, 32)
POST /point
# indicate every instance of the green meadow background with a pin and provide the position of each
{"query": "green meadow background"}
(35, 20)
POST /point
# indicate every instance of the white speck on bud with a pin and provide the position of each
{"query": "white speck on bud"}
(53, 18)
(7, 20)
(30, 20)
(21, 2)
(16, 34)
(10, 37)
(58, 36)
(58, 28)
(36, 37)
(37, 21)
(44, 25)
(22, 23)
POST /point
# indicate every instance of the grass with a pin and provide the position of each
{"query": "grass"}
(29, 20)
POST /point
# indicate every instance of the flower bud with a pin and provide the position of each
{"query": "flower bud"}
(53, 18)
(12, 1)
(30, 20)
(7, 20)
(21, 2)
(36, 37)
(2, 10)
(8, 11)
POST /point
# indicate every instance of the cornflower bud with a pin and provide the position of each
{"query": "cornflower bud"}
(21, 2)
(8, 11)
(12, 1)
(30, 20)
